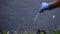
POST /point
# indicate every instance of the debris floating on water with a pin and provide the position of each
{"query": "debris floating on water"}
(53, 16)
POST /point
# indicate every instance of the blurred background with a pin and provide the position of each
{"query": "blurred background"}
(18, 15)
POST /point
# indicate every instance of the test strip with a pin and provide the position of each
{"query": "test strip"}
(36, 16)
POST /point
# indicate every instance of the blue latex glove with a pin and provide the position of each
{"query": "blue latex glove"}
(44, 6)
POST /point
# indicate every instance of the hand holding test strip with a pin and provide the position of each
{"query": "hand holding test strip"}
(44, 6)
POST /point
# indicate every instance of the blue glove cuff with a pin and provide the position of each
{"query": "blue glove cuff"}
(45, 6)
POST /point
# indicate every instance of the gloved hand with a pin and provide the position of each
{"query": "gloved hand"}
(44, 6)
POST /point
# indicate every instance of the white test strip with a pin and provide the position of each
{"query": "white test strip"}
(36, 16)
